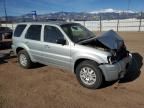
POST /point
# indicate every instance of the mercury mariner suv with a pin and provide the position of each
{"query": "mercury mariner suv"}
(93, 59)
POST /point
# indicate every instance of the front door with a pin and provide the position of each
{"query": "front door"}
(53, 52)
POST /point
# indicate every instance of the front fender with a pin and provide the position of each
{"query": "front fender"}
(95, 58)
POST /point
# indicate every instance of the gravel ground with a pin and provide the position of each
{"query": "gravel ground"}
(49, 87)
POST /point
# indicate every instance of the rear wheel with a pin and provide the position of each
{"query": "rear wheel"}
(89, 75)
(24, 59)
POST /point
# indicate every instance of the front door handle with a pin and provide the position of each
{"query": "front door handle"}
(26, 42)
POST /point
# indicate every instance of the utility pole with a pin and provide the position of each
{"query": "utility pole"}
(128, 7)
(129, 2)
(5, 10)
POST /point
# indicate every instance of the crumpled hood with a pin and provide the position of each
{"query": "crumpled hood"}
(110, 39)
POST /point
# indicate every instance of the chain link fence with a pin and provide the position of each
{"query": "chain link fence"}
(132, 24)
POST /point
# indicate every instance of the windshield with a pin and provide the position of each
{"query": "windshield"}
(77, 32)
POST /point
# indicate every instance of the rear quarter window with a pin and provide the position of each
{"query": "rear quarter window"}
(19, 29)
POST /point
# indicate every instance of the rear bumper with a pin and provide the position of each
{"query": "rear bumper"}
(117, 70)
(14, 49)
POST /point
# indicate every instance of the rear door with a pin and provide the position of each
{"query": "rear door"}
(33, 41)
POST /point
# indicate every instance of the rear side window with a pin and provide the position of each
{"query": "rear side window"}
(34, 32)
(18, 31)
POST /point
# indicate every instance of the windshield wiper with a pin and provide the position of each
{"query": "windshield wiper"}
(83, 39)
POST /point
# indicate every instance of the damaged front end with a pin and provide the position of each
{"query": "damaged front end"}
(115, 63)
(115, 45)
(109, 41)
(120, 58)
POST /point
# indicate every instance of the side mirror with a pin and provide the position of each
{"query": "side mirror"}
(61, 41)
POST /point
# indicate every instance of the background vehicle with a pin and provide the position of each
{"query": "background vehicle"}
(73, 47)
(5, 37)
(5, 32)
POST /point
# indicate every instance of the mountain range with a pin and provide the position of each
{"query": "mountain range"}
(104, 14)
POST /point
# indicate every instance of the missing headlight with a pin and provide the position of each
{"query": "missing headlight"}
(111, 59)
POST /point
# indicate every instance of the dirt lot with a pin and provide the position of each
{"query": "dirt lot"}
(48, 87)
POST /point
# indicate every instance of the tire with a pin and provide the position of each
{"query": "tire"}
(26, 63)
(96, 74)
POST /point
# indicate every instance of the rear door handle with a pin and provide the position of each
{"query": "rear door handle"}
(46, 46)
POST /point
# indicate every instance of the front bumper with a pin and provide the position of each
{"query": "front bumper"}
(115, 71)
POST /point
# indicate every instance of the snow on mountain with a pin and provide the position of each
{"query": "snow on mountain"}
(110, 10)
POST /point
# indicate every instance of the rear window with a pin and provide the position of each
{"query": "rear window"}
(18, 31)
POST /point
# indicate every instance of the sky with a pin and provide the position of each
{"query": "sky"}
(20, 7)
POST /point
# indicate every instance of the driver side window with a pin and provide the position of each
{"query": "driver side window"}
(52, 34)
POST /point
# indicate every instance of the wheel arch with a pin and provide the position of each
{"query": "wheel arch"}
(19, 49)
(78, 61)
(26, 49)
(83, 59)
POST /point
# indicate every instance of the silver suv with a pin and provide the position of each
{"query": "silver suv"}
(71, 46)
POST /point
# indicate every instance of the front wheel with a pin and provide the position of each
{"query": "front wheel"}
(89, 75)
